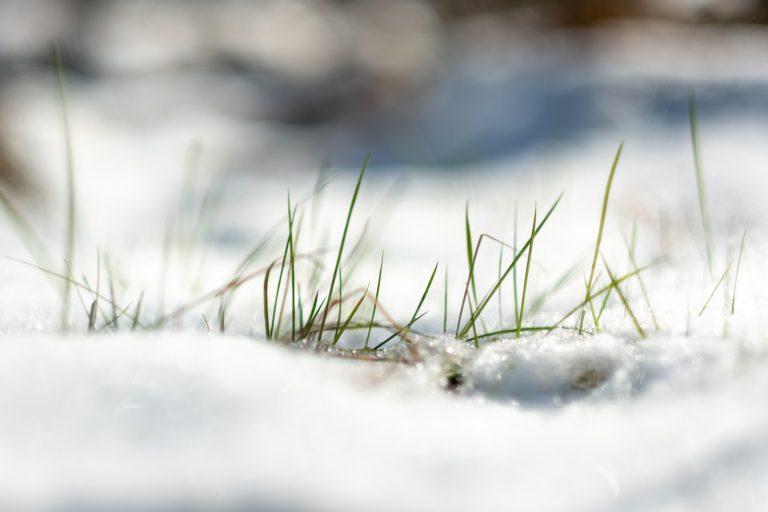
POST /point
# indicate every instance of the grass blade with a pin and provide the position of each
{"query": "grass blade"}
(71, 217)
(337, 266)
(603, 214)
(700, 187)
(527, 272)
(375, 300)
(738, 267)
(343, 328)
(714, 290)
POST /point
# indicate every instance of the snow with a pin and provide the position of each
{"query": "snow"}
(230, 423)
(184, 419)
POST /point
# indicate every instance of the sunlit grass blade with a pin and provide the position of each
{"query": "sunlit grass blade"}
(700, 186)
(337, 266)
(714, 290)
(375, 300)
(738, 267)
(603, 214)
(484, 303)
(623, 300)
(527, 273)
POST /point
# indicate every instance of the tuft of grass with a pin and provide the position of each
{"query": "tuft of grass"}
(603, 214)
(693, 118)
(474, 315)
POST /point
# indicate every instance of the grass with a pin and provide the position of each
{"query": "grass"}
(303, 301)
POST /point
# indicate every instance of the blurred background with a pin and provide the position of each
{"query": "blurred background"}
(274, 86)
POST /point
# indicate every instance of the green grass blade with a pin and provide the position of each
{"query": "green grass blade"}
(340, 331)
(292, 268)
(527, 273)
(375, 300)
(337, 266)
(603, 214)
(738, 267)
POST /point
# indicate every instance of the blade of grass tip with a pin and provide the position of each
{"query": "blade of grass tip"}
(527, 272)
(400, 331)
(136, 314)
(714, 290)
(603, 214)
(71, 195)
(341, 246)
(292, 269)
(340, 331)
(375, 301)
(624, 301)
(633, 266)
(700, 186)
(445, 303)
(736, 279)
(486, 300)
